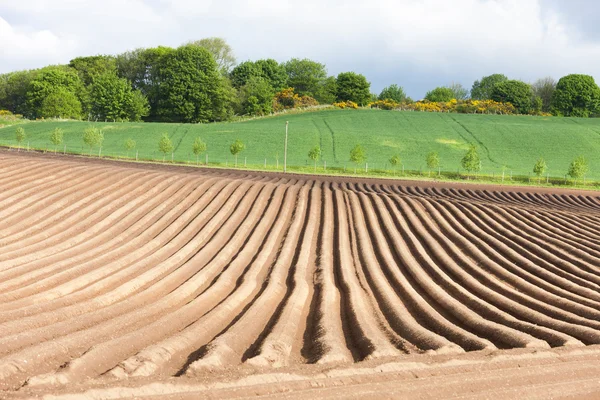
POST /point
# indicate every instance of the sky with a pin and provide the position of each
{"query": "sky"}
(417, 44)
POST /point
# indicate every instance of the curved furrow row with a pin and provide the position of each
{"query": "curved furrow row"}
(509, 266)
(110, 272)
(58, 351)
(142, 229)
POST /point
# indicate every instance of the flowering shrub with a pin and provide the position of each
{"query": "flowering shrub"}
(346, 104)
(287, 99)
(9, 116)
(455, 106)
(386, 104)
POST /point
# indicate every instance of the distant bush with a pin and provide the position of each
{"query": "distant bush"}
(454, 106)
(346, 104)
(287, 99)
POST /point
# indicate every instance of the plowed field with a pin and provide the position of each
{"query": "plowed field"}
(111, 271)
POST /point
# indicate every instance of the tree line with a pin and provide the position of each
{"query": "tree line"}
(201, 81)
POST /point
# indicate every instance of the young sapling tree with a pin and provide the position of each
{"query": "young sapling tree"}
(357, 156)
(471, 162)
(540, 168)
(20, 136)
(165, 145)
(314, 154)
(433, 161)
(198, 148)
(236, 148)
(129, 145)
(56, 137)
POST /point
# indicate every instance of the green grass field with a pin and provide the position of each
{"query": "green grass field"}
(513, 142)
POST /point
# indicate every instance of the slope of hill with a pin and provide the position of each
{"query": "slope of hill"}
(513, 142)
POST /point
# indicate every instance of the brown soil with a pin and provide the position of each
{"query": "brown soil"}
(131, 280)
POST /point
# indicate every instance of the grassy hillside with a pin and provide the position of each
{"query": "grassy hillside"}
(514, 142)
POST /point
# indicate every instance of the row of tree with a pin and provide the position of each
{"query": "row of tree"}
(201, 82)
(196, 82)
(572, 96)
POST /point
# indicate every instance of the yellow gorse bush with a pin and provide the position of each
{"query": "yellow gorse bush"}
(346, 104)
(287, 99)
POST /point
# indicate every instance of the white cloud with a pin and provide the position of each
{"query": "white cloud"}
(410, 42)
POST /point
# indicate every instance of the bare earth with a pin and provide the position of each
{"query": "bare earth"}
(128, 280)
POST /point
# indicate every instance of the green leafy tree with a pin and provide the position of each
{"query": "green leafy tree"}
(190, 87)
(56, 137)
(394, 162)
(357, 156)
(165, 145)
(93, 137)
(273, 72)
(519, 94)
(20, 135)
(440, 94)
(353, 87)
(305, 76)
(61, 103)
(13, 91)
(433, 161)
(143, 68)
(47, 82)
(198, 148)
(112, 98)
(459, 92)
(482, 89)
(243, 72)
(578, 168)
(256, 97)
(471, 162)
(89, 68)
(576, 96)
(138, 107)
(129, 145)
(540, 168)
(393, 92)
(236, 148)
(268, 69)
(314, 155)
(327, 91)
(221, 51)
(544, 89)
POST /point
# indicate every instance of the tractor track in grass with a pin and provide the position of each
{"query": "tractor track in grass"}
(115, 272)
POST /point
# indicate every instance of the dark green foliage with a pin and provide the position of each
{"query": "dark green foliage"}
(112, 98)
(60, 103)
(191, 87)
(13, 90)
(353, 87)
(482, 90)
(52, 81)
(270, 70)
(518, 93)
(243, 72)
(327, 91)
(576, 96)
(393, 92)
(305, 76)
(89, 68)
(273, 72)
(256, 97)
(440, 94)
